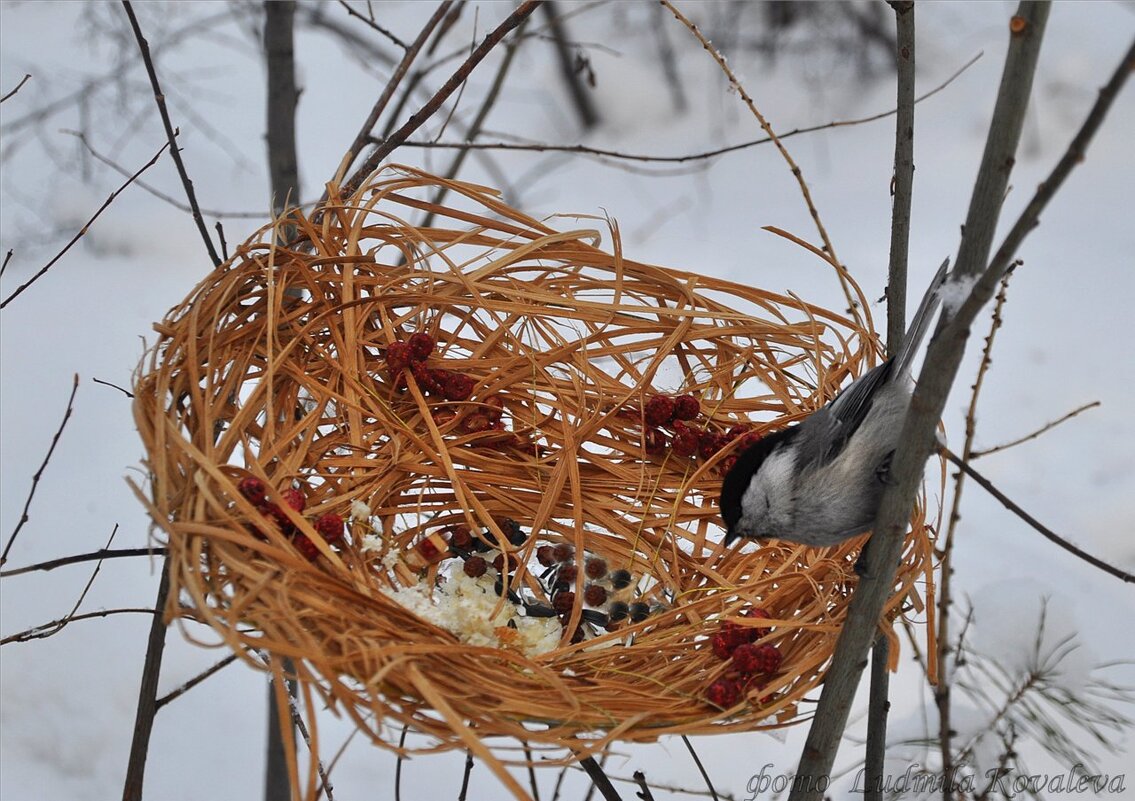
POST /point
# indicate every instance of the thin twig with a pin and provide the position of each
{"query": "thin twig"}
(521, 13)
(1042, 430)
(599, 779)
(123, 390)
(482, 114)
(173, 695)
(86, 227)
(171, 133)
(398, 764)
(373, 25)
(861, 315)
(944, 688)
(39, 473)
(989, 487)
(917, 437)
(465, 776)
(7, 258)
(579, 97)
(162, 196)
(362, 137)
(531, 772)
(19, 86)
(44, 630)
(644, 788)
(707, 154)
(701, 767)
(99, 555)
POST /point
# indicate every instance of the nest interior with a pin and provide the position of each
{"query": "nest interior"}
(279, 367)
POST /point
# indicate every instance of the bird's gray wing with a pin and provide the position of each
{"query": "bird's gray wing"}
(824, 433)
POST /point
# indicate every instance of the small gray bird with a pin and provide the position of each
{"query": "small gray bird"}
(819, 482)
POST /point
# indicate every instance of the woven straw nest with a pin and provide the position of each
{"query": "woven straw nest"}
(281, 366)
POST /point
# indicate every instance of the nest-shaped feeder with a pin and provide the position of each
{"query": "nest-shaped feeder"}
(431, 467)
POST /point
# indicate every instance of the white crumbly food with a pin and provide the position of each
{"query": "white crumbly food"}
(371, 542)
(464, 606)
(359, 510)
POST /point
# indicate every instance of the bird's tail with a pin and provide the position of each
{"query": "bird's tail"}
(920, 324)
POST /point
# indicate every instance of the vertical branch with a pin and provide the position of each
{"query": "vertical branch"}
(879, 704)
(147, 694)
(579, 97)
(917, 439)
(283, 168)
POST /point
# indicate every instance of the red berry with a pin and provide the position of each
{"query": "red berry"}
(330, 526)
(723, 645)
(420, 346)
(253, 489)
(709, 443)
(457, 387)
(686, 407)
(544, 555)
(757, 613)
(685, 443)
(428, 379)
(595, 595)
(276, 515)
(294, 498)
(654, 440)
(461, 537)
(563, 552)
(726, 464)
(563, 602)
(494, 407)
(397, 355)
(659, 410)
(595, 568)
(724, 693)
(475, 566)
(748, 440)
(475, 422)
(306, 547)
(499, 562)
(566, 574)
(750, 658)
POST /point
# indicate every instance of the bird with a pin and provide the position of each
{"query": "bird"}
(820, 481)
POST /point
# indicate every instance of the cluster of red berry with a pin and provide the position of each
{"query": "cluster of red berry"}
(749, 662)
(328, 525)
(411, 356)
(669, 425)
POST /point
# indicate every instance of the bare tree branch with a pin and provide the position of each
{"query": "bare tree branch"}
(989, 487)
(39, 472)
(94, 556)
(369, 21)
(171, 133)
(879, 703)
(1042, 430)
(363, 136)
(147, 693)
(579, 96)
(19, 86)
(521, 13)
(173, 695)
(86, 227)
(50, 628)
(917, 439)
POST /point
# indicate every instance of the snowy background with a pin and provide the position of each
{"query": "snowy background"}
(68, 701)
